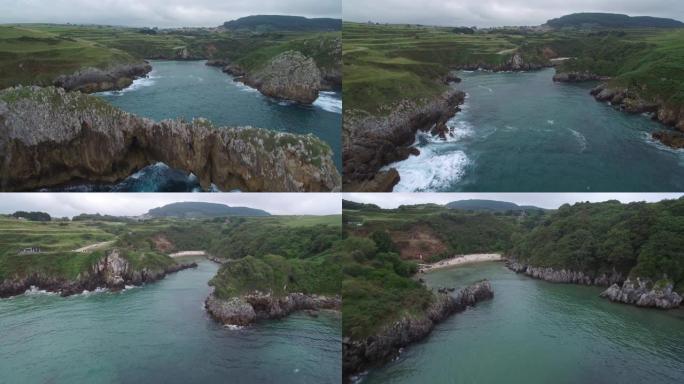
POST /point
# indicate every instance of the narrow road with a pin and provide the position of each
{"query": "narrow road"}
(93, 247)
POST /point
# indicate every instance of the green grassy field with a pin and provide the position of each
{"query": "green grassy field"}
(38, 53)
(384, 64)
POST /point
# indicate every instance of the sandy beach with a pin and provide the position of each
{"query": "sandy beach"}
(459, 260)
(188, 253)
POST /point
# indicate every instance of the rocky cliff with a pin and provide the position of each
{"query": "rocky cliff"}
(371, 142)
(516, 62)
(578, 77)
(359, 355)
(91, 80)
(642, 293)
(50, 137)
(290, 75)
(112, 271)
(630, 101)
(255, 306)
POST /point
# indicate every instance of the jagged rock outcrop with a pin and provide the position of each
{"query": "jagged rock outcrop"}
(643, 293)
(359, 355)
(91, 80)
(578, 77)
(630, 101)
(515, 63)
(371, 142)
(50, 137)
(290, 75)
(112, 271)
(565, 275)
(249, 308)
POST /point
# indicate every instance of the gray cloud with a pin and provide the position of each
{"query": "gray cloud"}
(161, 13)
(133, 204)
(543, 200)
(487, 13)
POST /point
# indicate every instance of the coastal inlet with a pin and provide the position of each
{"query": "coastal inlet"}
(159, 333)
(520, 131)
(191, 89)
(534, 331)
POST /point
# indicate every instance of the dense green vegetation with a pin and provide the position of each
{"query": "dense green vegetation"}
(385, 64)
(377, 287)
(612, 20)
(33, 216)
(278, 255)
(637, 239)
(38, 53)
(201, 209)
(268, 23)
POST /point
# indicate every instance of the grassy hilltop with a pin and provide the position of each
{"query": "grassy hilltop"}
(384, 64)
(265, 253)
(38, 53)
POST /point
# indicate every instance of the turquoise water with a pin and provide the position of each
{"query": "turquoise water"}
(523, 132)
(539, 332)
(159, 333)
(190, 89)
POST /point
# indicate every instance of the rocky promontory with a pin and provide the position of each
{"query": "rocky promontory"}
(371, 142)
(565, 275)
(578, 77)
(90, 80)
(249, 308)
(361, 354)
(50, 137)
(112, 271)
(290, 75)
(515, 63)
(644, 293)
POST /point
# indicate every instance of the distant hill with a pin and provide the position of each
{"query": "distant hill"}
(199, 209)
(346, 204)
(267, 23)
(490, 205)
(612, 20)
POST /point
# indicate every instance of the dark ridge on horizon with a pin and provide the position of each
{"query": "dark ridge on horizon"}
(265, 23)
(201, 209)
(612, 20)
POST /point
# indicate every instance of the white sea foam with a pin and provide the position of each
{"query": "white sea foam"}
(329, 101)
(581, 140)
(142, 82)
(33, 290)
(487, 88)
(550, 122)
(233, 327)
(430, 171)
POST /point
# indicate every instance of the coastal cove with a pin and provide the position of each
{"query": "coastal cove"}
(191, 89)
(159, 332)
(537, 332)
(520, 131)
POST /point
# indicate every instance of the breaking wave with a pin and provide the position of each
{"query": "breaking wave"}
(329, 101)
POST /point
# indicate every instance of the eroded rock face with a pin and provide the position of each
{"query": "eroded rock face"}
(291, 76)
(247, 309)
(643, 293)
(359, 355)
(629, 101)
(516, 62)
(112, 271)
(370, 142)
(51, 137)
(91, 80)
(565, 275)
(577, 77)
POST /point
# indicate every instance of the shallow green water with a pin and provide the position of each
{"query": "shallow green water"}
(159, 333)
(538, 332)
(523, 132)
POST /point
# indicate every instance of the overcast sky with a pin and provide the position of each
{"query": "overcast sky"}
(543, 200)
(133, 204)
(160, 13)
(489, 13)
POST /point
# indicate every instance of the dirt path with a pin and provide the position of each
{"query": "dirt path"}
(93, 247)
(459, 260)
(188, 253)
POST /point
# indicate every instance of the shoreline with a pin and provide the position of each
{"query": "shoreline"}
(460, 260)
(187, 254)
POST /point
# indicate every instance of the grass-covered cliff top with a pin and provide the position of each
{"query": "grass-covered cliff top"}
(37, 53)
(384, 64)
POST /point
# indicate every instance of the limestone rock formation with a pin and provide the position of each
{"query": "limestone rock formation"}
(565, 275)
(291, 76)
(371, 142)
(577, 77)
(358, 355)
(50, 137)
(643, 293)
(91, 80)
(247, 309)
